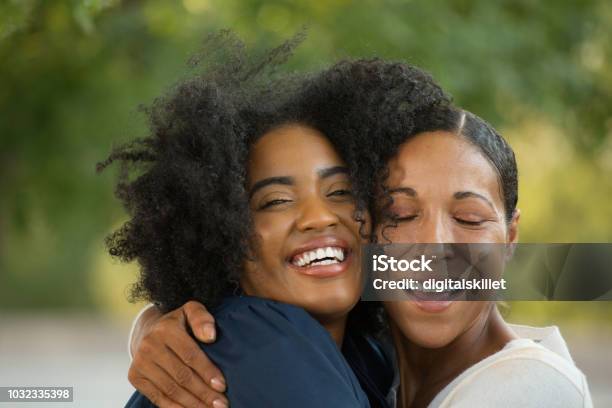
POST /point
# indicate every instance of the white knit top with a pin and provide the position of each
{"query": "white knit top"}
(535, 370)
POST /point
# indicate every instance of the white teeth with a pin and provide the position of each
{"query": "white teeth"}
(339, 254)
(326, 262)
(320, 253)
(320, 256)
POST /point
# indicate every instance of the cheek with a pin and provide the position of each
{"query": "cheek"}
(403, 232)
(263, 272)
(346, 214)
(271, 231)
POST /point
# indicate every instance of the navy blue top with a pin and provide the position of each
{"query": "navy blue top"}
(276, 355)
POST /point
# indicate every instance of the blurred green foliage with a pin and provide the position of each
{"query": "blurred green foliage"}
(72, 73)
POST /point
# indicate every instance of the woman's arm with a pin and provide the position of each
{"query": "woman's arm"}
(168, 366)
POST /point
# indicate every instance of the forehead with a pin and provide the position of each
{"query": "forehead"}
(291, 150)
(445, 161)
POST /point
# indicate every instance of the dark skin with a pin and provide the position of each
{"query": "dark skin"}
(300, 200)
(447, 192)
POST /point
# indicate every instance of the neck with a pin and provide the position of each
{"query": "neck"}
(335, 326)
(424, 372)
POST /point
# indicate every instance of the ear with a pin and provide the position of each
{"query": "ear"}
(513, 227)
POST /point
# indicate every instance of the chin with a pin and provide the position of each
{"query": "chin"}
(330, 302)
(432, 340)
(425, 330)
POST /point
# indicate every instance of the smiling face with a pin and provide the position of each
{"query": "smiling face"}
(307, 243)
(444, 191)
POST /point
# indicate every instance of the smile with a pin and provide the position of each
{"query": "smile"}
(319, 256)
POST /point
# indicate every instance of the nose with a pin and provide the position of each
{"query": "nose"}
(435, 231)
(439, 237)
(316, 214)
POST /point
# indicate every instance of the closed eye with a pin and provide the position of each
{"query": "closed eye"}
(405, 218)
(273, 203)
(340, 193)
(470, 223)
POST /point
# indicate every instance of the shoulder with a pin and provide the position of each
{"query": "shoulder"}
(253, 330)
(525, 375)
(276, 355)
(257, 307)
(548, 337)
(256, 321)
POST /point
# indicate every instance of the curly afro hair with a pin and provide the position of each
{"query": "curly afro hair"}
(184, 186)
(366, 107)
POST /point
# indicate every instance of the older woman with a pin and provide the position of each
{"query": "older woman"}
(454, 180)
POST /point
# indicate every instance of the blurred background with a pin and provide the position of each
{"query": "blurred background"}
(73, 73)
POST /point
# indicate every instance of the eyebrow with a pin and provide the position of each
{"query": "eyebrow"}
(285, 181)
(461, 195)
(332, 171)
(289, 181)
(411, 192)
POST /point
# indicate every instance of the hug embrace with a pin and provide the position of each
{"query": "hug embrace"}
(249, 203)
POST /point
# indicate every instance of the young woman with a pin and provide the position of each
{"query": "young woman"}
(305, 252)
(242, 207)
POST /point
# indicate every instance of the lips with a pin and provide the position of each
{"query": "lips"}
(432, 295)
(433, 306)
(431, 301)
(321, 257)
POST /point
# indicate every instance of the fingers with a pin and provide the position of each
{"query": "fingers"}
(146, 319)
(202, 323)
(191, 355)
(162, 388)
(169, 366)
(150, 391)
(169, 378)
(190, 380)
